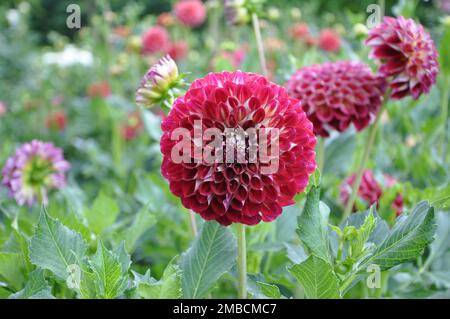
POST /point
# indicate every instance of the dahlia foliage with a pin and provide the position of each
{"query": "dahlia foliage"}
(33, 170)
(270, 171)
(408, 56)
(335, 95)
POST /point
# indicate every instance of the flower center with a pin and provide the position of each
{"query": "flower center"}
(37, 171)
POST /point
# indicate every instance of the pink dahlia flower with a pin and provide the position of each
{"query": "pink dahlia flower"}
(408, 55)
(329, 40)
(370, 190)
(57, 121)
(35, 168)
(156, 39)
(241, 190)
(3, 109)
(334, 95)
(191, 13)
(178, 50)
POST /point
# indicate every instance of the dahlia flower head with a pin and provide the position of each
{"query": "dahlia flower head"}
(337, 94)
(157, 82)
(154, 40)
(329, 40)
(33, 170)
(370, 190)
(239, 191)
(408, 56)
(191, 13)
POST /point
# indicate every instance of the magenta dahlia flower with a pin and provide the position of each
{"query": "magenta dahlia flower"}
(156, 39)
(408, 55)
(191, 13)
(334, 95)
(35, 168)
(247, 188)
(370, 190)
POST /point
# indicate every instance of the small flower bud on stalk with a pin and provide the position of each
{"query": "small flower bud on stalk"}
(159, 84)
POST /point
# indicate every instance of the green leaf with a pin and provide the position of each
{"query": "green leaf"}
(55, 247)
(12, 269)
(363, 234)
(111, 278)
(407, 239)
(313, 226)
(268, 290)
(102, 214)
(317, 278)
(380, 231)
(169, 287)
(213, 252)
(36, 287)
(142, 222)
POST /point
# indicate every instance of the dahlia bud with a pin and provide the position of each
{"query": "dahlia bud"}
(236, 12)
(407, 54)
(296, 13)
(273, 14)
(446, 21)
(360, 30)
(158, 82)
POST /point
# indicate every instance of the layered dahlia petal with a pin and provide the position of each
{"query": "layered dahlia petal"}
(248, 187)
(33, 170)
(335, 95)
(155, 39)
(408, 55)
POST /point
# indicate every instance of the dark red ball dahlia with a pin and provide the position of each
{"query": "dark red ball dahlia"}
(334, 95)
(408, 55)
(370, 190)
(242, 190)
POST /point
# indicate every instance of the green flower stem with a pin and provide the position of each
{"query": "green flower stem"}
(259, 43)
(444, 106)
(117, 146)
(193, 223)
(242, 261)
(366, 153)
(320, 153)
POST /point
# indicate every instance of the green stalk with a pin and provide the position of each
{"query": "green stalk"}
(444, 106)
(242, 261)
(366, 153)
(320, 154)
(259, 44)
(193, 224)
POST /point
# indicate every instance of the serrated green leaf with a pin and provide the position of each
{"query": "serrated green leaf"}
(102, 214)
(55, 247)
(268, 290)
(407, 239)
(313, 226)
(169, 287)
(380, 231)
(213, 252)
(363, 234)
(36, 287)
(111, 279)
(317, 278)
